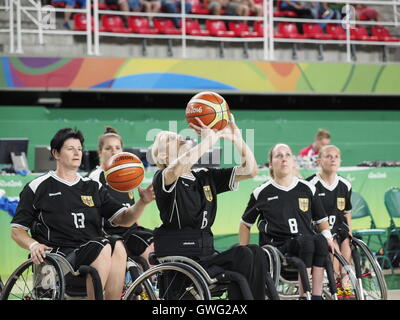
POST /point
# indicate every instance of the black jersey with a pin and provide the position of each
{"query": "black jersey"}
(334, 198)
(123, 197)
(191, 201)
(64, 214)
(284, 212)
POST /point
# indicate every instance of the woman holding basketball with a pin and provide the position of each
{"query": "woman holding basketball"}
(63, 213)
(187, 201)
(138, 240)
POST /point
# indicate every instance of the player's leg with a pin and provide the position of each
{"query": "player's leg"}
(116, 275)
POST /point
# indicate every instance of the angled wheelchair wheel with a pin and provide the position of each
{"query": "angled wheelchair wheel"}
(351, 290)
(1, 286)
(169, 281)
(368, 271)
(31, 281)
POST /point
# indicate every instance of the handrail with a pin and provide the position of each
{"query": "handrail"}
(16, 9)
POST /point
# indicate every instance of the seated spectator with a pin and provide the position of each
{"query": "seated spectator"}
(322, 138)
(215, 6)
(174, 6)
(323, 10)
(363, 12)
(126, 6)
(293, 5)
(255, 8)
(301, 10)
(151, 6)
(69, 4)
(237, 8)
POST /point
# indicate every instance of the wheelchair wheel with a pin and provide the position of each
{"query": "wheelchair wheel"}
(169, 281)
(30, 281)
(352, 291)
(1, 286)
(369, 274)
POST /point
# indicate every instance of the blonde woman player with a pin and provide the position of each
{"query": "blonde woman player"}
(335, 193)
(286, 208)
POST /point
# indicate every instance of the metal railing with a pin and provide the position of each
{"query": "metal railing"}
(16, 32)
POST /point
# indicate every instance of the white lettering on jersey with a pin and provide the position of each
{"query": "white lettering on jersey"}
(321, 194)
(205, 221)
(331, 220)
(55, 194)
(79, 220)
(272, 198)
(293, 225)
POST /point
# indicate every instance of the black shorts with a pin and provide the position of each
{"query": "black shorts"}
(137, 239)
(84, 254)
(341, 233)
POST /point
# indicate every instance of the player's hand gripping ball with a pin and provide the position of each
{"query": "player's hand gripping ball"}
(210, 108)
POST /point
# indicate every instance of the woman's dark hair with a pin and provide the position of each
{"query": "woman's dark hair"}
(62, 135)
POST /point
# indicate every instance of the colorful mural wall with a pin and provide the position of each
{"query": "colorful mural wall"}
(193, 75)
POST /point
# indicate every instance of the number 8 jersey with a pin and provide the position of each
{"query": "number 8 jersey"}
(284, 212)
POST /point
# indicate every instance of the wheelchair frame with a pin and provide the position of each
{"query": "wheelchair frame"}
(25, 279)
(197, 284)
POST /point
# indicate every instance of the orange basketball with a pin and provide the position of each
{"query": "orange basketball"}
(210, 108)
(124, 172)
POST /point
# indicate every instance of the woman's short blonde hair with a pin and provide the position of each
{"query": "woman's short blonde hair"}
(159, 147)
(324, 148)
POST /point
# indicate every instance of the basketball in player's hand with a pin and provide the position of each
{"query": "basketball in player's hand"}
(124, 172)
(211, 108)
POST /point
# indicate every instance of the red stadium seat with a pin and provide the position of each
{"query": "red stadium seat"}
(166, 26)
(141, 25)
(193, 28)
(241, 29)
(314, 31)
(80, 23)
(259, 28)
(285, 13)
(217, 28)
(289, 30)
(337, 32)
(114, 24)
(361, 33)
(198, 8)
(383, 34)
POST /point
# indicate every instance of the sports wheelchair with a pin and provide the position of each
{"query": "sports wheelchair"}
(55, 279)
(182, 278)
(285, 268)
(370, 278)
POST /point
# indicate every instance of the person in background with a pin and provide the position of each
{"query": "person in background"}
(321, 138)
(335, 194)
(138, 240)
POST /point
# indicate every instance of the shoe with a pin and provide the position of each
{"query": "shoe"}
(340, 293)
(348, 293)
(66, 25)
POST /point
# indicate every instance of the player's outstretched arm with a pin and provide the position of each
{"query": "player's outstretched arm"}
(185, 161)
(248, 167)
(132, 214)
